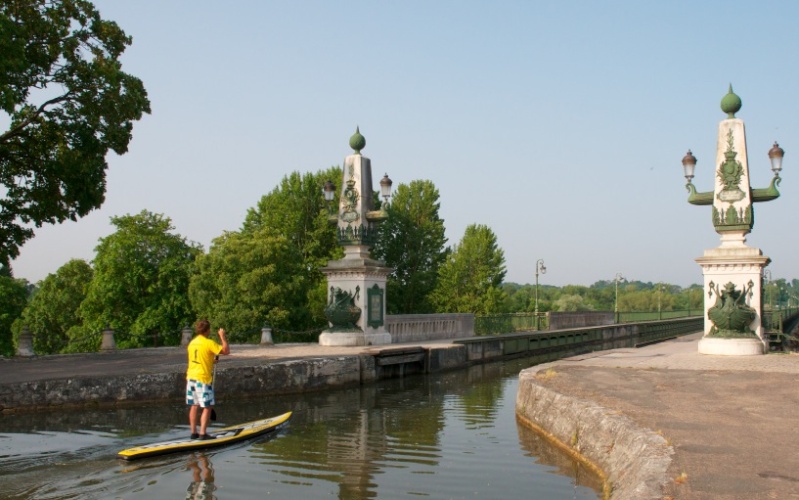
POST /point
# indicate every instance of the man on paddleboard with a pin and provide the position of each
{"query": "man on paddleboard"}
(199, 377)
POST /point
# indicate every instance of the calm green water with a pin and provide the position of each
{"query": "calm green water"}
(447, 436)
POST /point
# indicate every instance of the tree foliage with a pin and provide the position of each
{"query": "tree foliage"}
(411, 242)
(250, 278)
(297, 211)
(67, 102)
(13, 299)
(52, 313)
(141, 281)
(601, 296)
(571, 303)
(471, 277)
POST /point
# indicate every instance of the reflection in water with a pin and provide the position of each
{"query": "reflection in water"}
(202, 485)
(451, 435)
(545, 453)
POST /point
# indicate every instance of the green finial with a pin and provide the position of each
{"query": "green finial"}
(731, 103)
(357, 141)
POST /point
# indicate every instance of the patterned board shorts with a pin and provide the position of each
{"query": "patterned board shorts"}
(200, 394)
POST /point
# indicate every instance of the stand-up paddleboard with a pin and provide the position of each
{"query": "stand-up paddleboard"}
(221, 437)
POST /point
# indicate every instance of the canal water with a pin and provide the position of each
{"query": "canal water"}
(451, 435)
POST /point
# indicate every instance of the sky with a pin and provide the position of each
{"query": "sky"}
(559, 124)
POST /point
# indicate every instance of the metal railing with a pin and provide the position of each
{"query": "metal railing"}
(494, 324)
(638, 316)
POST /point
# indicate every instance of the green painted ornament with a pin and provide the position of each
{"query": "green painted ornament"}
(357, 141)
(731, 103)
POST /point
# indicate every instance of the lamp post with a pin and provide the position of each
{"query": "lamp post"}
(356, 283)
(618, 278)
(539, 267)
(767, 279)
(385, 189)
(733, 270)
(329, 190)
(661, 287)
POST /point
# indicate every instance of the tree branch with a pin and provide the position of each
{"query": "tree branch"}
(17, 129)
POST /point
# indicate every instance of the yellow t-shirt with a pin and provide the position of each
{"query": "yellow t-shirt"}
(201, 359)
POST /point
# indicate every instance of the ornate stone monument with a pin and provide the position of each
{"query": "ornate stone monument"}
(356, 308)
(733, 271)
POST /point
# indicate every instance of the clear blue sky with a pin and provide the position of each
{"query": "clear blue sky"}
(559, 124)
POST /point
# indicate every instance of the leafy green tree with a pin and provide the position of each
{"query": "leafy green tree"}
(66, 102)
(518, 298)
(692, 297)
(247, 279)
(52, 313)
(297, 211)
(141, 281)
(471, 277)
(571, 303)
(411, 242)
(13, 299)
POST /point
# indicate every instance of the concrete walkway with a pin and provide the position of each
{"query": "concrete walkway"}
(731, 420)
(166, 360)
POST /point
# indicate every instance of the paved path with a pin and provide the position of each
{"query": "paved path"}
(165, 359)
(732, 420)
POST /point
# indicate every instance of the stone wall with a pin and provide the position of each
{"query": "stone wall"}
(282, 377)
(633, 460)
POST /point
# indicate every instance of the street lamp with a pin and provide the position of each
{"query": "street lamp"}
(661, 288)
(329, 190)
(539, 266)
(728, 218)
(731, 327)
(767, 279)
(618, 278)
(385, 188)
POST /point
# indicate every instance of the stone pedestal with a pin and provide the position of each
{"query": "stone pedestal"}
(365, 280)
(25, 343)
(108, 344)
(266, 335)
(742, 266)
(185, 335)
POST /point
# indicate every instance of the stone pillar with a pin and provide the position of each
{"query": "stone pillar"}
(356, 308)
(108, 343)
(25, 343)
(185, 335)
(266, 335)
(733, 271)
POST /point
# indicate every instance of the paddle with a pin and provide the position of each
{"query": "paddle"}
(213, 383)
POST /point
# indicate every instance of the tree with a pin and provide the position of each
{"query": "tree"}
(411, 242)
(141, 282)
(52, 313)
(472, 274)
(13, 298)
(67, 102)
(247, 279)
(296, 210)
(571, 303)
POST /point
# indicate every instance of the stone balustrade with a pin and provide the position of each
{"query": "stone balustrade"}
(424, 327)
